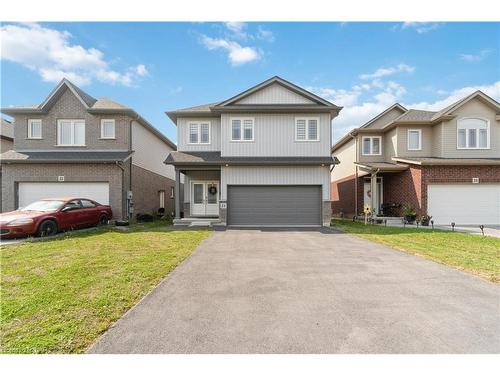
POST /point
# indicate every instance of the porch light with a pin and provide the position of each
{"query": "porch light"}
(453, 227)
(482, 228)
(227, 165)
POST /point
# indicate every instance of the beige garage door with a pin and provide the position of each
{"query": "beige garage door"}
(33, 191)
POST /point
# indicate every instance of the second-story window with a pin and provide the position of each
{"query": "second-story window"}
(372, 145)
(473, 133)
(307, 129)
(199, 132)
(70, 132)
(108, 129)
(414, 139)
(242, 129)
(35, 129)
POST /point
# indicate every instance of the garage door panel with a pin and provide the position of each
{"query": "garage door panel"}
(274, 205)
(29, 192)
(464, 204)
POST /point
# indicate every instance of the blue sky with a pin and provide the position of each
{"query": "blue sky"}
(154, 67)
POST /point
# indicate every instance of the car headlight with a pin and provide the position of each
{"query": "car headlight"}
(20, 221)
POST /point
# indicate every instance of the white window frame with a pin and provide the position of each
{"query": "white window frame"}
(102, 128)
(371, 137)
(419, 131)
(30, 135)
(198, 126)
(242, 128)
(488, 134)
(73, 121)
(161, 198)
(307, 119)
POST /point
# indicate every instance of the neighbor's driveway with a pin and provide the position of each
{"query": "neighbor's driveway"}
(250, 291)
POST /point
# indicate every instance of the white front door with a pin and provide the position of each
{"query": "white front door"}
(205, 198)
(371, 199)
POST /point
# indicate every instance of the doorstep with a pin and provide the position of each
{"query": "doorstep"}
(198, 222)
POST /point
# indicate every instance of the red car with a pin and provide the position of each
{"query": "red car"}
(49, 216)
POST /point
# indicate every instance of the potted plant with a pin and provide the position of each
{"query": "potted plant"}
(409, 213)
(425, 220)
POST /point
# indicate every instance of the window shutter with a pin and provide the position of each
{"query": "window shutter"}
(312, 130)
(193, 133)
(205, 133)
(236, 130)
(300, 129)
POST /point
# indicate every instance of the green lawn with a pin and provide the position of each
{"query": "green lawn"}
(59, 295)
(472, 253)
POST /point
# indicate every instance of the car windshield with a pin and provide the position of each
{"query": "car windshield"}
(45, 205)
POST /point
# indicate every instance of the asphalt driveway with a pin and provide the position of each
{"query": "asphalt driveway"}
(251, 291)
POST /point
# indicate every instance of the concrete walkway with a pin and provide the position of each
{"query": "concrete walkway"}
(251, 291)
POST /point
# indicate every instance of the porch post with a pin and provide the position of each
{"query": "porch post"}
(373, 198)
(177, 193)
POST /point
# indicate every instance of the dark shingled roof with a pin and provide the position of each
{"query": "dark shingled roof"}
(64, 156)
(215, 158)
(415, 115)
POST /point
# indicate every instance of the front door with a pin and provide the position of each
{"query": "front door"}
(373, 199)
(205, 198)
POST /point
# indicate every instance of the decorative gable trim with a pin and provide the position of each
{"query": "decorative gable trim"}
(277, 80)
(54, 95)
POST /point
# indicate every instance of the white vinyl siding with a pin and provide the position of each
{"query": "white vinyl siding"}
(199, 132)
(414, 139)
(307, 129)
(242, 129)
(473, 133)
(70, 132)
(108, 129)
(372, 145)
(35, 129)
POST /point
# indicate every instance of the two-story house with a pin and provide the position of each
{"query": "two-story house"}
(6, 144)
(75, 145)
(444, 163)
(260, 158)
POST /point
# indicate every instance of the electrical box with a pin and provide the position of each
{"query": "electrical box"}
(475, 180)
(129, 194)
(60, 178)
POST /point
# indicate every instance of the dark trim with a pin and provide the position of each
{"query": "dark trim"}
(6, 138)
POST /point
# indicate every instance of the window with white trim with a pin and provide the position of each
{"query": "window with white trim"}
(242, 129)
(108, 128)
(414, 139)
(372, 145)
(473, 133)
(199, 132)
(70, 132)
(307, 129)
(35, 129)
(161, 196)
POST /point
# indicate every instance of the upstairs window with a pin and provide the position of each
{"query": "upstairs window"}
(70, 132)
(108, 129)
(242, 129)
(414, 139)
(34, 129)
(306, 129)
(372, 145)
(199, 132)
(473, 133)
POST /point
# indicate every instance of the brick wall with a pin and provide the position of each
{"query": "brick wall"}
(146, 186)
(404, 188)
(14, 173)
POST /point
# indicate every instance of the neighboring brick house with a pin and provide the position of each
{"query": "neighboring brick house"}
(6, 144)
(75, 145)
(260, 158)
(444, 163)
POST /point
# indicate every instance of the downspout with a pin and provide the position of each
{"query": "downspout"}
(356, 178)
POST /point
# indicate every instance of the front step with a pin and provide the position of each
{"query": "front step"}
(198, 222)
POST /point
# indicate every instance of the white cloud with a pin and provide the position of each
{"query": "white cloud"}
(264, 34)
(237, 28)
(481, 55)
(383, 72)
(51, 54)
(492, 90)
(237, 54)
(421, 27)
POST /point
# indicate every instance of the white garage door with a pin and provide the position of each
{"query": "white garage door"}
(33, 191)
(464, 204)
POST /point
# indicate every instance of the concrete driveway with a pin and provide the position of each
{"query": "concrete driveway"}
(251, 291)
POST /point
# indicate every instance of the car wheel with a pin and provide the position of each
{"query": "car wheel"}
(103, 220)
(47, 228)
